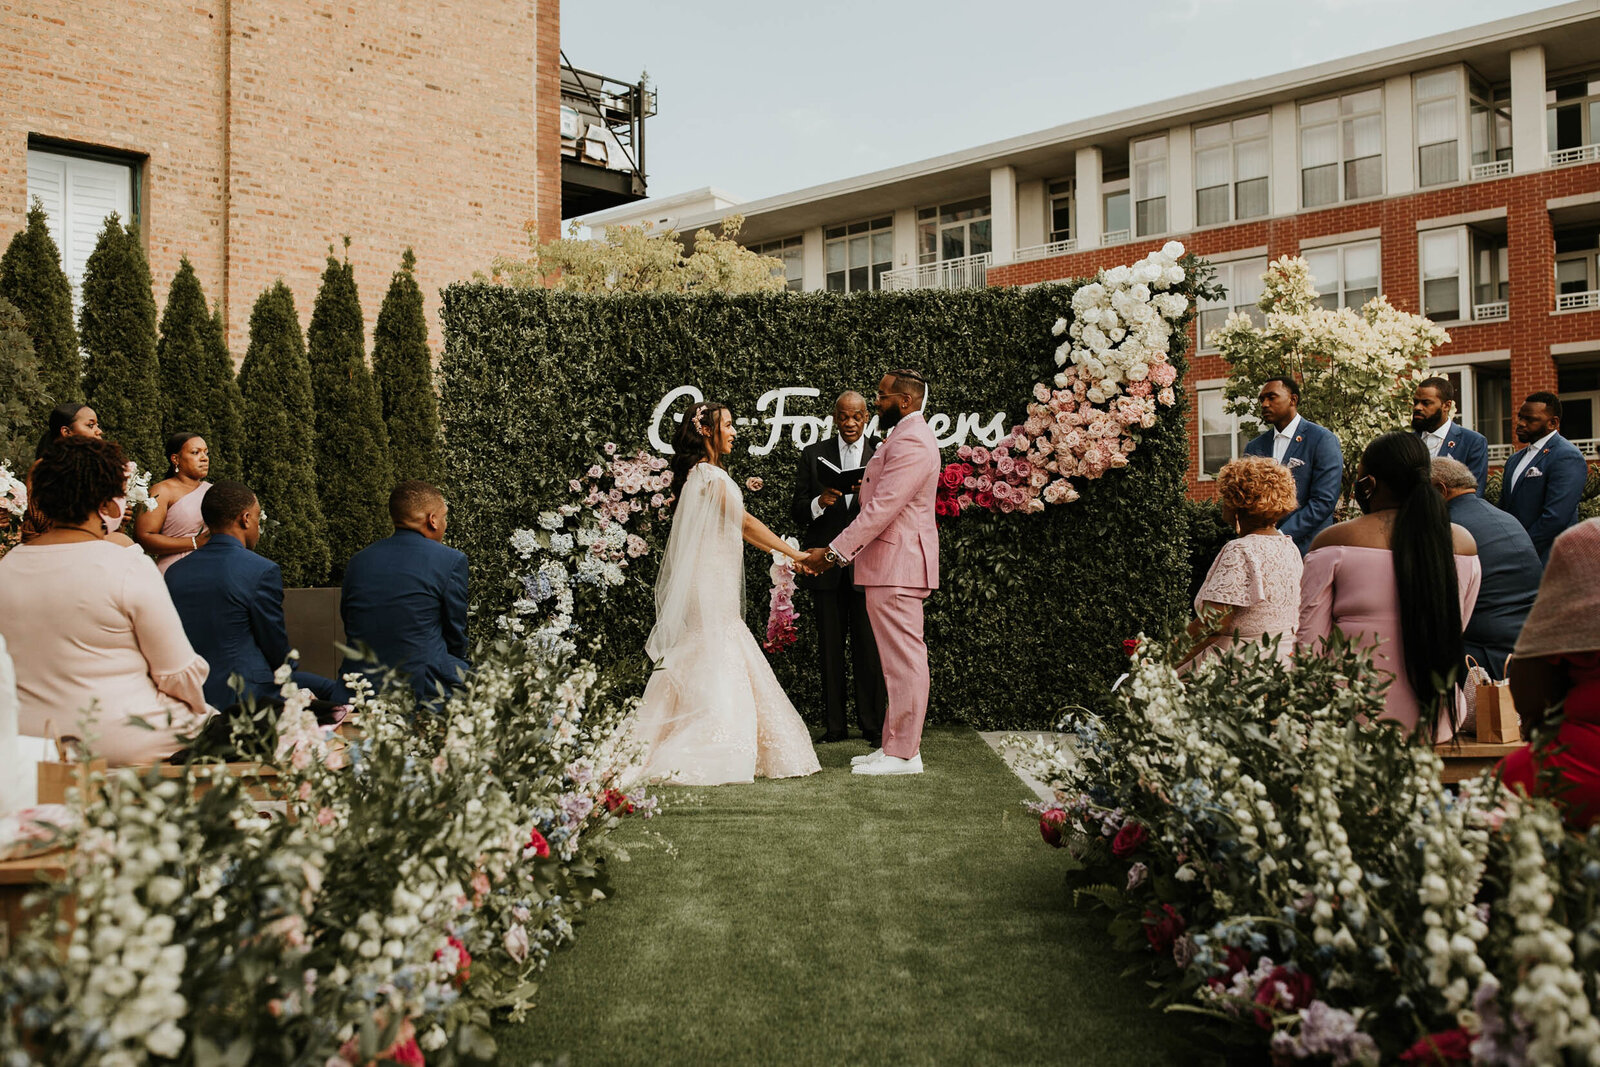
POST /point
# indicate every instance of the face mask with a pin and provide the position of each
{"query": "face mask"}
(114, 522)
(1362, 491)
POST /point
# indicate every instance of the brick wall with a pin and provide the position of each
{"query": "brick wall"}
(270, 128)
(1533, 325)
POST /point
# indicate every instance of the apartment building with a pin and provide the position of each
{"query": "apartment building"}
(1459, 175)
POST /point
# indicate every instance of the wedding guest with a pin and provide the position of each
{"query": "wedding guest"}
(1400, 576)
(231, 603)
(66, 420)
(1309, 451)
(1543, 483)
(838, 607)
(1555, 679)
(1510, 566)
(89, 624)
(1252, 591)
(172, 526)
(1432, 419)
(405, 596)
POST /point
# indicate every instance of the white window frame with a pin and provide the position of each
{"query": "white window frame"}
(934, 215)
(1458, 110)
(871, 229)
(1228, 274)
(1441, 237)
(1120, 187)
(1464, 371)
(1068, 191)
(792, 251)
(1342, 250)
(1232, 145)
(78, 192)
(1144, 170)
(1243, 429)
(1494, 104)
(1342, 161)
(1589, 120)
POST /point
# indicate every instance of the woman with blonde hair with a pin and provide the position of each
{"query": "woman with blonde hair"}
(1252, 592)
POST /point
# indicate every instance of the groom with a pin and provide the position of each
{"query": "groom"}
(894, 546)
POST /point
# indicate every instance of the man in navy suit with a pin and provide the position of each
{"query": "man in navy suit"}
(839, 608)
(405, 597)
(1432, 419)
(1310, 452)
(1511, 567)
(1543, 483)
(231, 603)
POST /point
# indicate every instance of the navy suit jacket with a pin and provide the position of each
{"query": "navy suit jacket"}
(1469, 447)
(406, 597)
(1545, 503)
(231, 604)
(1511, 574)
(1317, 465)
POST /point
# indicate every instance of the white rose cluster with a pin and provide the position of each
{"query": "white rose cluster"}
(1123, 321)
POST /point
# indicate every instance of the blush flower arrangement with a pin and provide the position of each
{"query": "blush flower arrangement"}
(782, 631)
(13, 506)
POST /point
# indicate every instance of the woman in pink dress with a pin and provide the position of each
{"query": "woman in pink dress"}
(171, 527)
(1252, 591)
(1402, 576)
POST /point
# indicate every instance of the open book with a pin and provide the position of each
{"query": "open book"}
(845, 481)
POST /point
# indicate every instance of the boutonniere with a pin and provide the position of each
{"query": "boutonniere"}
(1298, 438)
(1450, 444)
(1296, 461)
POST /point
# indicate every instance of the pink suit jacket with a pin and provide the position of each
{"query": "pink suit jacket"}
(895, 541)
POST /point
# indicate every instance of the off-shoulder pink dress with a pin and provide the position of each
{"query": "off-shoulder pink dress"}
(1258, 575)
(91, 623)
(1352, 587)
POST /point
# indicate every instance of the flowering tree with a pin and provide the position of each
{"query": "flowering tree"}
(1356, 369)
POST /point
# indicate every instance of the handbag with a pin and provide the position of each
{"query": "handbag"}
(67, 772)
(1476, 676)
(1495, 716)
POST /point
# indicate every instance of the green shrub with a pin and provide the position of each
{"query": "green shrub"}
(1032, 609)
(22, 398)
(279, 456)
(31, 278)
(402, 365)
(1207, 534)
(117, 326)
(198, 387)
(226, 403)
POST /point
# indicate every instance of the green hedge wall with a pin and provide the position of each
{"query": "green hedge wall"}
(1033, 609)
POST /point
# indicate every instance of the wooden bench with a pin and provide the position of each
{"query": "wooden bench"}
(18, 878)
(1468, 759)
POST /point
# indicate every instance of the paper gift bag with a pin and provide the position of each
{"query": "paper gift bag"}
(1497, 720)
(67, 772)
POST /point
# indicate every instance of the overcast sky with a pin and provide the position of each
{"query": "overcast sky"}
(759, 98)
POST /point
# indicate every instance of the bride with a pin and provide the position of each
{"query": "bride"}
(713, 712)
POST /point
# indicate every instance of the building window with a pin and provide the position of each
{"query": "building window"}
(1116, 203)
(78, 192)
(1441, 255)
(790, 251)
(1345, 275)
(1242, 284)
(1572, 113)
(1063, 210)
(1438, 97)
(1577, 264)
(954, 231)
(1230, 170)
(1222, 435)
(1492, 410)
(1150, 185)
(1341, 148)
(1491, 124)
(857, 254)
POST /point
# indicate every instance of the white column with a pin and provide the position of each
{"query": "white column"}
(1091, 212)
(1003, 213)
(1529, 142)
(1399, 144)
(1285, 179)
(1033, 226)
(813, 269)
(1180, 180)
(905, 237)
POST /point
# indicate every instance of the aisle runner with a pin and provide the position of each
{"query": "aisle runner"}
(846, 920)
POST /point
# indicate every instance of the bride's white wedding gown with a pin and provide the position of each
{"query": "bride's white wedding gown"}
(713, 712)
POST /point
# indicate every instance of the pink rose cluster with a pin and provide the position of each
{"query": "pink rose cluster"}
(782, 631)
(990, 478)
(638, 483)
(1068, 435)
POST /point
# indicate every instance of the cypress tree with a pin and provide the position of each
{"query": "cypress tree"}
(31, 278)
(280, 453)
(23, 404)
(181, 354)
(403, 367)
(353, 473)
(226, 403)
(117, 327)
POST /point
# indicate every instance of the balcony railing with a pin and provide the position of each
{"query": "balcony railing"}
(1578, 301)
(1568, 157)
(1497, 168)
(1491, 312)
(1045, 251)
(1589, 446)
(969, 272)
(1115, 237)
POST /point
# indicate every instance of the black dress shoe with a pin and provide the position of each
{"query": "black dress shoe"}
(830, 737)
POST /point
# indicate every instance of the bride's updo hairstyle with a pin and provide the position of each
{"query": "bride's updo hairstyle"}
(689, 442)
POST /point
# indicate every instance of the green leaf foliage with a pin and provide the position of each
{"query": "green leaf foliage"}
(181, 352)
(31, 278)
(23, 402)
(117, 327)
(1032, 609)
(352, 446)
(279, 454)
(225, 403)
(402, 365)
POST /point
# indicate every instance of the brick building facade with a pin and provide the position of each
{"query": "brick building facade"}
(250, 135)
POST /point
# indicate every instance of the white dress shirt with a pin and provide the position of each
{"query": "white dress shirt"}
(1528, 460)
(1434, 439)
(1284, 437)
(849, 459)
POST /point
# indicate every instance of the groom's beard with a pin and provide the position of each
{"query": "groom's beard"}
(887, 419)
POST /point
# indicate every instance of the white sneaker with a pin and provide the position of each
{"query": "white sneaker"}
(890, 765)
(871, 757)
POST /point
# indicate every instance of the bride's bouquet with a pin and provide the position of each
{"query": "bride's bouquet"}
(782, 632)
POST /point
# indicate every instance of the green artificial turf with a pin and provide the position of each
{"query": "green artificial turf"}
(838, 919)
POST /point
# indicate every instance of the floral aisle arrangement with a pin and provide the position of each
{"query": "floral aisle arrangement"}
(782, 631)
(13, 506)
(419, 882)
(1300, 876)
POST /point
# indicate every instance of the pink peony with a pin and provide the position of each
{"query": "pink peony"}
(1050, 826)
(980, 455)
(754, 484)
(965, 451)
(1129, 839)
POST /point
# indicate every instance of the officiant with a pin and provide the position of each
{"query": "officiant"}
(825, 502)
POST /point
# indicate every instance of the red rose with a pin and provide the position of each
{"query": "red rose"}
(1128, 839)
(1050, 824)
(406, 1054)
(952, 477)
(966, 471)
(1297, 990)
(536, 841)
(615, 800)
(984, 499)
(463, 961)
(1162, 928)
(1452, 1046)
(1130, 646)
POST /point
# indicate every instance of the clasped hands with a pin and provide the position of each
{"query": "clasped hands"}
(814, 561)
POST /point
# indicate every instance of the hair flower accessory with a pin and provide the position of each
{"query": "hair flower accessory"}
(700, 419)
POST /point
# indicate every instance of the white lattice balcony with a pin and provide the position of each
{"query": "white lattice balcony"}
(1494, 311)
(1498, 168)
(1045, 251)
(1569, 157)
(968, 272)
(1116, 237)
(1578, 301)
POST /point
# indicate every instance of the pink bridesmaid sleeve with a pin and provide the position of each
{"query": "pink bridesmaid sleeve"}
(1316, 596)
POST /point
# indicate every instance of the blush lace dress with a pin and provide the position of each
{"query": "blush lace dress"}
(1258, 575)
(713, 713)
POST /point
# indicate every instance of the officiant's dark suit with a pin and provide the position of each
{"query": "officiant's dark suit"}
(838, 606)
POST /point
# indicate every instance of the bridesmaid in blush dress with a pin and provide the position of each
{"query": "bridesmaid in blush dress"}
(172, 527)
